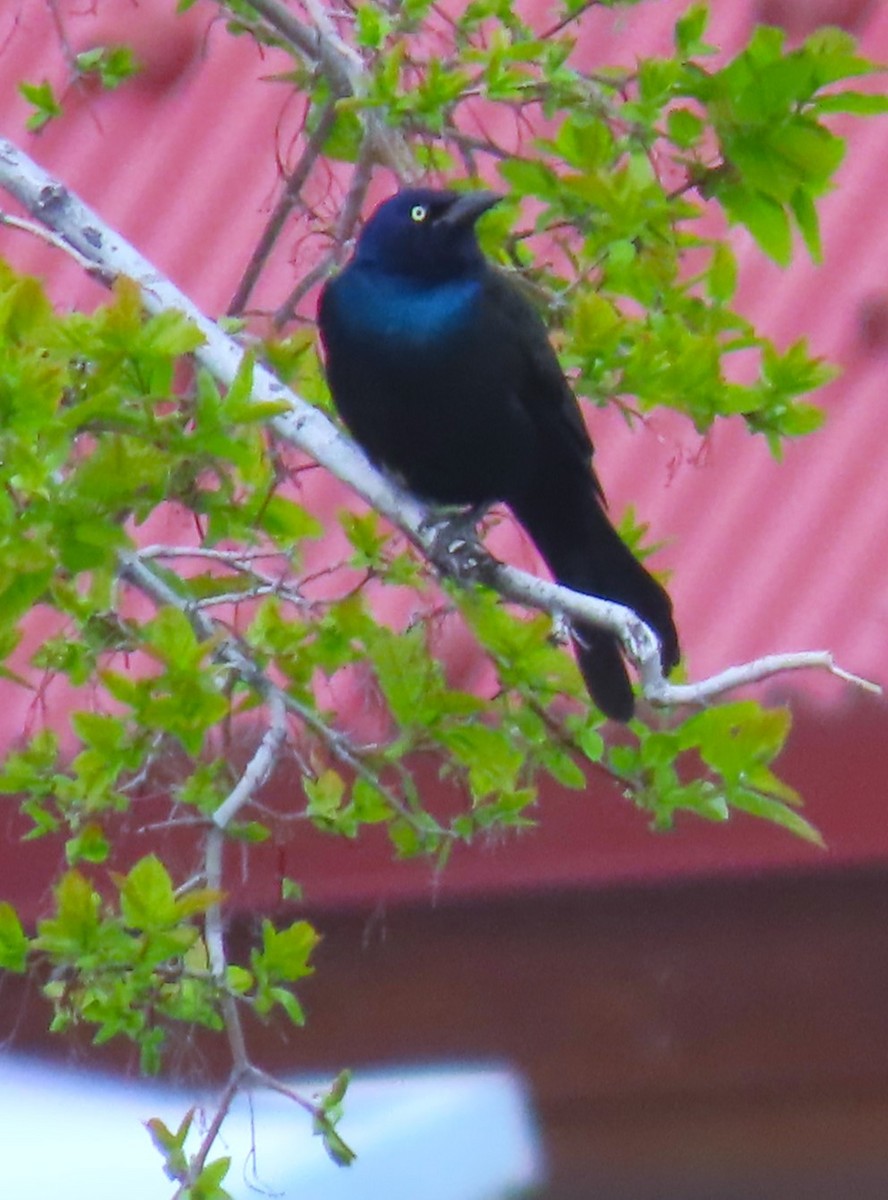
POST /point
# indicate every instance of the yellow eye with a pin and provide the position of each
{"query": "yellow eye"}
(418, 213)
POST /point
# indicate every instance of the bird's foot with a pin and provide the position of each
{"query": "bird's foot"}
(561, 629)
(454, 546)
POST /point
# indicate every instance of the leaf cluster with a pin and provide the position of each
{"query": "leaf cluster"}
(133, 964)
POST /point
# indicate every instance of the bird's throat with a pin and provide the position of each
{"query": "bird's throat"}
(410, 310)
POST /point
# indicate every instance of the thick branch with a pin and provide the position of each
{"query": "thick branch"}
(303, 426)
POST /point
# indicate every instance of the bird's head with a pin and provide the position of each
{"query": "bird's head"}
(425, 233)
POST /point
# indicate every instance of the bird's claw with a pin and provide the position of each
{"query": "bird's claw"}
(454, 546)
(561, 629)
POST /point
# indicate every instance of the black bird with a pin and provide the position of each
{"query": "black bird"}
(443, 372)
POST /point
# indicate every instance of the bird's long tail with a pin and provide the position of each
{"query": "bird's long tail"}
(570, 528)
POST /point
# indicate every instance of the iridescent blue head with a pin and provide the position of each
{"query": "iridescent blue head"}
(425, 233)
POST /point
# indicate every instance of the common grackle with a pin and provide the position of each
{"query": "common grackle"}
(443, 372)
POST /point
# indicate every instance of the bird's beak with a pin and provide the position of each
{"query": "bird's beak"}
(468, 207)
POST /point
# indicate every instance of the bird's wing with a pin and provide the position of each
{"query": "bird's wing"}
(545, 392)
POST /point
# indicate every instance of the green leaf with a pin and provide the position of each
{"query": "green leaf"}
(248, 831)
(339, 1151)
(23, 591)
(861, 104)
(369, 803)
(805, 213)
(46, 106)
(331, 1100)
(197, 900)
(529, 177)
(689, 30)
(766, 45)
(13, 942)
(345, 138)
(288, 1002)
(588, 737)
(283, 518)
(684, 127)
(99, 730)
(238, 398)
(561, 766)
(372, 25)
(207, 1186)
(75, 926)
(173, 639)
(777, 813)
(239, 979)
(33, 767)
(147, 899)
(327, 1117)
(492, 759)
(90, 845)
(169, 333)
(172, 1145)
(721, 278)
(584, 141)
(286, 952)
(833, 55)
(763, 217)
(325, 795)
(111, 64)
(407, 677)
(291, 891)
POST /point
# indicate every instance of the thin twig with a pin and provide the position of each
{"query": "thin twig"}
(568, 19)
(198, 1160)
(318, 273)
(62, 37)
(260, 765)
(173, 823)
(350, 212)
(261, 589)
(753, 672)
(230, 557)
(257, 1075)
(349, 215)
(290, 195)
(58, 243)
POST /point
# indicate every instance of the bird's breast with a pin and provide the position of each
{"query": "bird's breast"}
(407, 313)
(423, 386)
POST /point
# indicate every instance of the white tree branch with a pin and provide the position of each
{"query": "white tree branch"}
(79, 229)
(260, 765)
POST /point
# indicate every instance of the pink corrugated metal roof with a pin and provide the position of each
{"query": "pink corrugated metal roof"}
(763, 558)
